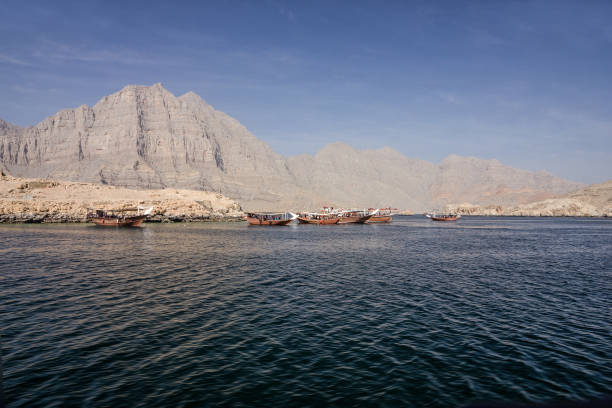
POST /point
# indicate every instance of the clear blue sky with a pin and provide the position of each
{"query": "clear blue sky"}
(528, 83)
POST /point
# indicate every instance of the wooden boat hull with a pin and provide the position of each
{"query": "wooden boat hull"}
(328, 221)
(257, 221)
(379, 219)
(119, 222)
(354, 219)
(443, 218)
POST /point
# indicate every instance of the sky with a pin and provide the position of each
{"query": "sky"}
(526, 82)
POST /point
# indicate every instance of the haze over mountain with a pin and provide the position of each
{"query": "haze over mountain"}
(145, 137)
(594, 200)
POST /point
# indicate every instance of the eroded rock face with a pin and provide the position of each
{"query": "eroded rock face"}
(145, 137)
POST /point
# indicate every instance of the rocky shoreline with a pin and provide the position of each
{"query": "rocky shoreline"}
(48, 201)
(46, 218)
(592, 201)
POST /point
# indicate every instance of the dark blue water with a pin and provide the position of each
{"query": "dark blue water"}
(414, 313)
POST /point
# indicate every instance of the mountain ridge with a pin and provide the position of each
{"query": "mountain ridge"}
(145, 137)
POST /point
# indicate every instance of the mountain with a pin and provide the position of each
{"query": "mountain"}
(593, 201)
(349, 177)
(385, 176)
(145, 137)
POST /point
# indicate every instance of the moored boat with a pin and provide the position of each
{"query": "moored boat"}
(443, 217)
(355, 216)
(267, 218)
(125, 217)
(318, 218)
(383, 215)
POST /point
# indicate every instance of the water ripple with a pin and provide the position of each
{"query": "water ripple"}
(413, 313)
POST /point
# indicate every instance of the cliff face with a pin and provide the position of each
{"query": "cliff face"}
(145, 137)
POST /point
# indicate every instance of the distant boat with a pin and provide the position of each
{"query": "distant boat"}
(355, 216)
(124, 217)
(383, 215)
(267, 218)
(318, 218)
(443, 217)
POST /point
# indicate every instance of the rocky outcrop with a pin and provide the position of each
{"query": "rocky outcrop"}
(145, 137)
(592, 201)
(36, 200)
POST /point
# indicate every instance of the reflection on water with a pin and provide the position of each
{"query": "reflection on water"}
(414, 312)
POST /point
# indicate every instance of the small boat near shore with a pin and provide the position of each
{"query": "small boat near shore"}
(382, 216)
(443, 217)
(125, 217)
(325, 216)
(318, 218)
(269, 218)
(355, 216)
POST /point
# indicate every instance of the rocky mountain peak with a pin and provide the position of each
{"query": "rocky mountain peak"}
(335, 149)
(6, 127)
(389, 152)
(193, 98)
(145, 137)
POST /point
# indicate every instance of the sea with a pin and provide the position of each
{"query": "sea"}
(411, 313)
